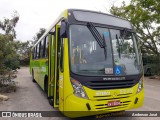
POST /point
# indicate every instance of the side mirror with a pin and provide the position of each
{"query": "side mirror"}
(63, 28)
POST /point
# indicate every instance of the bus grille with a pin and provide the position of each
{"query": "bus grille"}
(110, 97)
(110, 84)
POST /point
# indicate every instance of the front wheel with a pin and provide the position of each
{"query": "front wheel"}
(33, 80)
(50, 101)
(46, 85)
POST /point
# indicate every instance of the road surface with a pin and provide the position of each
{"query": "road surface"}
(30, 97)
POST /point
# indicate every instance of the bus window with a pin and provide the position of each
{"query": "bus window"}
(42, 49)
(33, 53)
(39, 56)
(46, 47)
(37, 53)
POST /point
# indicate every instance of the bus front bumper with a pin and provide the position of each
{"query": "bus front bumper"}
(78, 107)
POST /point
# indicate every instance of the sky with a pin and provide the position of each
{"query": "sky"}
(36, 14)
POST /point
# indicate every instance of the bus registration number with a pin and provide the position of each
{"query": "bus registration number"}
(114, 103)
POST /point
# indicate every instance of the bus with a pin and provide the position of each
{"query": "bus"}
(89, 63)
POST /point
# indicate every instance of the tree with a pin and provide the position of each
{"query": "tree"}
(9, 59)
(23, 50)
(8, 55)
(8, 25)
(144, 15)
(39, 34)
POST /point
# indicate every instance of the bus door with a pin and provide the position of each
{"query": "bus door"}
(51, 68)
(57, 74)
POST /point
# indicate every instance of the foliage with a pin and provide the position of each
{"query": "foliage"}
(152, 62)
(23, 50)
(39, 34)
(144, 16)
(8, 25)
(7, 88)
(8, 55)
(9, 59)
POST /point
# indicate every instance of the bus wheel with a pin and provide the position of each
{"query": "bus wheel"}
(33, 80)
(50, 102)
(46, 85)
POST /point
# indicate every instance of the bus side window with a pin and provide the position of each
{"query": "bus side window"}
(33, 53)
(37, 53)
(46, 47)
(39, 56)
(41, 48)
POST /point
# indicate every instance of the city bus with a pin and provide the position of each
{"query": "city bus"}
(89, 63)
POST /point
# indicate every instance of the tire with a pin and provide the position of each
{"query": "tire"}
(46, 85)
(50, 101)
(33, 80)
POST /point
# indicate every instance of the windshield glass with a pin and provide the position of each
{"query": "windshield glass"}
(88, 58)
(126, 55)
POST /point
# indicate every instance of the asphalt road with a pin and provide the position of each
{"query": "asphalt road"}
(30, 97)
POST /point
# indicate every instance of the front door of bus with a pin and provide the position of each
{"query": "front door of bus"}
(56, 69)
(58, 88)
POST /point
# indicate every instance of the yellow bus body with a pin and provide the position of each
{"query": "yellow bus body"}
(71, 105)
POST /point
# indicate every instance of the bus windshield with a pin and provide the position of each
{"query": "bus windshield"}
(120, 56)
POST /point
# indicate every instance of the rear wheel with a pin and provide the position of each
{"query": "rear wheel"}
(50, 99)
(33, 80)
(46, 85)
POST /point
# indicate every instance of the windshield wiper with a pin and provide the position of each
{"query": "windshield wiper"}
(101, 41)
(96, 34)
(105, 47)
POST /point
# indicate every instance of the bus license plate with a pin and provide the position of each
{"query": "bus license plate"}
(114, 103)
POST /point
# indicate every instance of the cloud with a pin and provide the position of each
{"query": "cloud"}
(36, 14)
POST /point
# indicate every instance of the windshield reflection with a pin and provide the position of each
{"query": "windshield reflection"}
(88, 58)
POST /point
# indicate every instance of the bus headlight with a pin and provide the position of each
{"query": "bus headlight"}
(140, 85)
(78, 89)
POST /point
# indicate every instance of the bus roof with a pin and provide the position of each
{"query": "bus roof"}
(64, 14)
